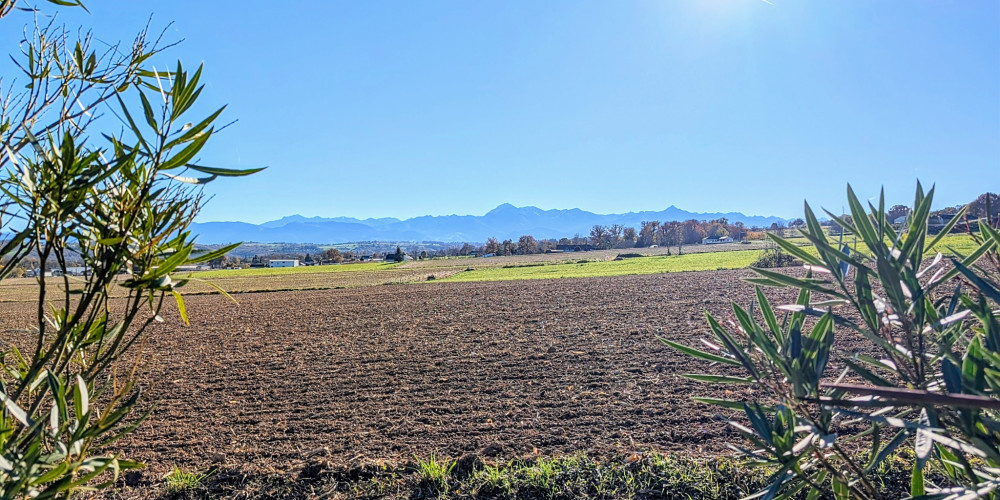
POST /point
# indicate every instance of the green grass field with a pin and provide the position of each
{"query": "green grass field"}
(282, 271)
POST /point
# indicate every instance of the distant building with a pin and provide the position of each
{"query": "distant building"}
(716, 241)
(283, 263)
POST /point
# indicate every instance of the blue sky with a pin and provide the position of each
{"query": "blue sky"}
(380, 108)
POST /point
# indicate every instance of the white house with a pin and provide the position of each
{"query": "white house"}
(713, 241)
(283, 263)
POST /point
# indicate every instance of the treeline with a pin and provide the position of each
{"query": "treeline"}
(648, 234)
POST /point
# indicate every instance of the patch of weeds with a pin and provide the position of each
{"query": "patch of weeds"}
(435, 472)
(639, 475)
(646, 474)
(180, 480)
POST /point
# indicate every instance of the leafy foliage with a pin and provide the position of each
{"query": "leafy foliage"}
(933, 387)
(122, 204)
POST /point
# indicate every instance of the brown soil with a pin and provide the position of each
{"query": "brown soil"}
(382, 374)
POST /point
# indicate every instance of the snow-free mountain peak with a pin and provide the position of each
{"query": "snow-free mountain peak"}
(506, 221)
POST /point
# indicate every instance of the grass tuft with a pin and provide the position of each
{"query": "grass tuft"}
(435, 472)
(179, 480)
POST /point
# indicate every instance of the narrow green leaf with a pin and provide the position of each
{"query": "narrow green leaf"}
(768, 313)
(718, 379)
(699, 354)
(81, 398)
(16, 411)
(725, 403)
(214, 254)
(225, 172)
(795, 250)
(148, 111)
(188, 153)
(917, 480)
(180, 306)
(840, 489)
(863, 223)
(812, 285)
(947, 228)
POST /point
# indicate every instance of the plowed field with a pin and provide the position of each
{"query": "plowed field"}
(384, 373)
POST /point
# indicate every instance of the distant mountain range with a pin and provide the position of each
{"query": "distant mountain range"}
(504, 221)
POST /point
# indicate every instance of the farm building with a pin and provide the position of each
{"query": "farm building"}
(715, 241)
(283, 263)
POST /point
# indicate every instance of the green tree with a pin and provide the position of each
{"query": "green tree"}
(121, 202)
(399, 256)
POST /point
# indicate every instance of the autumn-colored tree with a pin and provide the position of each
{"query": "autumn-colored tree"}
(527, 245)
(716, 230)
(692, 232)
(333, 255)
